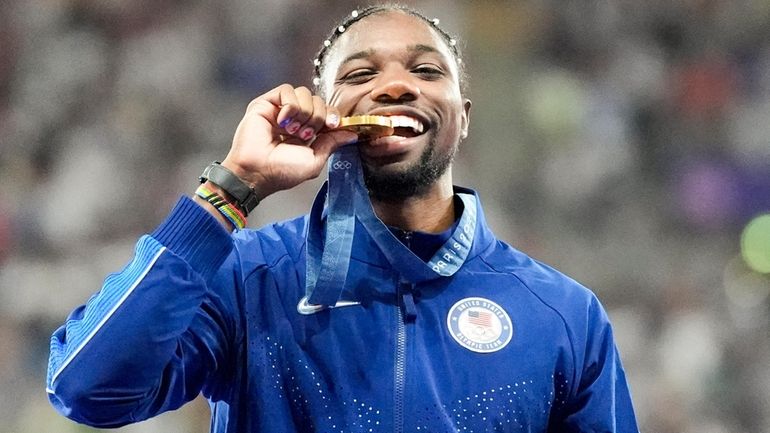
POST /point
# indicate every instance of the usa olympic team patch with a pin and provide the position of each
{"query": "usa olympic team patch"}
(479, 325)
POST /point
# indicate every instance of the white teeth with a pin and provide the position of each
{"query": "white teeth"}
(407, 122)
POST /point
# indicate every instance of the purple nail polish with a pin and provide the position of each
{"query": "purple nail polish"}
(285, 122)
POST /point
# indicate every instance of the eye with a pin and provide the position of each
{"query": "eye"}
(429, 72)
(358, 76)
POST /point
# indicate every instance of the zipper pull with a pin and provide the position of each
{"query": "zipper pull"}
(407, 300)
(408, 239)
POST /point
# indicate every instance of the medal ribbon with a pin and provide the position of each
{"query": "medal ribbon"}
(329, 252)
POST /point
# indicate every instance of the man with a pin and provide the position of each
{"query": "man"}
(390, 308)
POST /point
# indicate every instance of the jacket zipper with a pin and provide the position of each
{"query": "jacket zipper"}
(407, 239)
(400, 372)
(400, 368)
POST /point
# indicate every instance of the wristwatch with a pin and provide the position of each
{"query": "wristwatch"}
(245, 197)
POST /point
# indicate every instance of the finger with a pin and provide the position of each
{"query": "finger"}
(332, 117)
(281, 100)
(290, 139)
(316, 121)
(328, 142)
(305, 101)
(298, 112)
(290, 108)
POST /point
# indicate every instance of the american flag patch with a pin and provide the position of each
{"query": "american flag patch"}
(481, 318)
(479, 325)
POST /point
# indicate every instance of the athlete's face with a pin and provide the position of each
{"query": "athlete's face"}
(395, 64)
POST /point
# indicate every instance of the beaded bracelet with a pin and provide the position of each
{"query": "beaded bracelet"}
(227, 209)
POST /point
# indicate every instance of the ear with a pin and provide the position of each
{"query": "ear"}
(466, 118)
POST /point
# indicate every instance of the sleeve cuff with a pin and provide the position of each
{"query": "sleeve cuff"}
(191, 233)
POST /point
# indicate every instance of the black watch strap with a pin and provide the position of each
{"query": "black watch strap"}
(245, 197)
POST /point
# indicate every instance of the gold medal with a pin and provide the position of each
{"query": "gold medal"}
(367, 126)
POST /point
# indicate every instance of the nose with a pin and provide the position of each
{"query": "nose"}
(395, 84)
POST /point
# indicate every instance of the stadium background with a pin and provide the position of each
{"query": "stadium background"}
(625, 142)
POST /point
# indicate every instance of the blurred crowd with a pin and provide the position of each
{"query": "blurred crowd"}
(625, 142)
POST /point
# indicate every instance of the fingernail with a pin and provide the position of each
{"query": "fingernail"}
(332, 120)
(293, 127)
(306, 133)
(285, 122)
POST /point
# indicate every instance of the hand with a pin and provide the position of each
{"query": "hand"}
(284, 139)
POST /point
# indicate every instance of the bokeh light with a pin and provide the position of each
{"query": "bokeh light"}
(744, 287)
(755, 244)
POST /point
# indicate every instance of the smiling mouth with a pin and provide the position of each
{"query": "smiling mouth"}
(406, 126)
(372, 127)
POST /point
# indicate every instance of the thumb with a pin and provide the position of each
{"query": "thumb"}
(327, 143)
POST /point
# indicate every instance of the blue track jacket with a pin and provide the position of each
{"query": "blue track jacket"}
(507, 344)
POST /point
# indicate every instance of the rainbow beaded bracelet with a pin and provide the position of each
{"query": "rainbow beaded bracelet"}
(227, 209)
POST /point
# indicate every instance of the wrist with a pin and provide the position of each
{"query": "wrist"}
(256, 181)
(237, 191)
(214, 212)
(225, 211)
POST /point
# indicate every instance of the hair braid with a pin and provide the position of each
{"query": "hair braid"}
(319, 63)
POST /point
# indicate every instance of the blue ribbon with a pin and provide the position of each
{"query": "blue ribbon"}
(327, 269)
(329, 250)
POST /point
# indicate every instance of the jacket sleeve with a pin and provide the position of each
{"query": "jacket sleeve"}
(600, 401)
(157, 331)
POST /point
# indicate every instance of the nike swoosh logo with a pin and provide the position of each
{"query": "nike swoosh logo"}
(306, 308)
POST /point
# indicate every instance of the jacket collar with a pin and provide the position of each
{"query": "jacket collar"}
(407, 265)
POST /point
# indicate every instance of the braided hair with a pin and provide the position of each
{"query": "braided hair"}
(319, 63)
